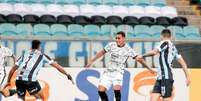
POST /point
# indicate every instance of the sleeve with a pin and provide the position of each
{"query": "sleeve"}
(132, 53)
(48, 59)
(20, 59)
(7, 52)
(162, 46)
(177, 55)
(108, 47)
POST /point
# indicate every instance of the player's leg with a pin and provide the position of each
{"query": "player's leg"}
(104, 84)
(117, 82)
(156, 92)
(21, 89)
(44, 92)
(34, 89)
(168, 90)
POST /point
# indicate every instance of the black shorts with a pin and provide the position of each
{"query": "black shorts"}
(23, 86)
(164, 87)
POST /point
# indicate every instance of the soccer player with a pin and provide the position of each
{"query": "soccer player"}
(5, 52)
(167, 51)
(27, 67)
(119, 52)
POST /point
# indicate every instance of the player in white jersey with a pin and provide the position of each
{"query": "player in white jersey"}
(27, 67)
(5, 52)
(164, 82)
(118, 52)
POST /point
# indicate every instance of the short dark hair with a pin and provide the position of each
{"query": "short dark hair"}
(35, 44)
(166, 33)
(121, 33)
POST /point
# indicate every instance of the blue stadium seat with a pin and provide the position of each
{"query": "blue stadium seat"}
(94, 2)
(191, 32)
(126, 2)
(62, 2)
(156, 30)
(110, 2)
(108, 30)
(92, 30)
(58, 30)
(127, 29)
(24, 29)
(159, 3)
(177, 32)
(77, 2)
(142, 2)
(8, 29)
(12, 1)
(47, 1)
(142, 31)
(29, 1)
(75, 30)
(41, 29)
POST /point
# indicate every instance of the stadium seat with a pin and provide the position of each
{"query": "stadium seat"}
(87, 10)
(41, 29)
(169, 11)
(191, 32)
(131, 20)
(142, 2)
(58, 30)
(75, 30)
(159, 3)
(24, 29)
(48, 19)
(163, 20)
(38, 9)
(104, 10)
(30, 1)
(156, 30)
(121, 11)
(110, 2)
(98, 20)
(153, 11)
(81, 20)
(137, 11)
(94, 2)
(127, 29)
(108, 30)
(30, 18)
(12, 1)
(147, 20)
(142, 31)
(62, 2)
(47, 2)
(177, 32)
(8, 29)
(126, 2)
(14, 18)
(116, 20)
(71, 10)
(6, 8)
(78, 2)
(54, 9)
(179, 21)
(21, 8)
(2, 18)
(65, 19)
(92, 30)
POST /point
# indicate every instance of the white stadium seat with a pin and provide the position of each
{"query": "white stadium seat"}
(137, 11)
(169, 11)
(54, 9)
(22, 9)
(121, 11)
(38, 9)
(72, 10)
(153, 11)
(6, 8)
(104, 10)
(87, 10)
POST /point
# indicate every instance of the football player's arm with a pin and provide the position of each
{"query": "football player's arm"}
(97, 56)
(12, 71)
(151, 53)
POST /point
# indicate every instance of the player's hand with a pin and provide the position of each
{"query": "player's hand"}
(88, 65)
(188, 81)
(70, 78)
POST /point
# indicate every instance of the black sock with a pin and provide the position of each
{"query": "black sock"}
(117, 95)
(103, 95)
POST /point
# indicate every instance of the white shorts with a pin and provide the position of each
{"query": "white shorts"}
(111, 78)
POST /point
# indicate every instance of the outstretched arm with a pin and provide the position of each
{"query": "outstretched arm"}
(151, 53)
(60, 69)
(98, 55)
(12, 71)
(184, 67)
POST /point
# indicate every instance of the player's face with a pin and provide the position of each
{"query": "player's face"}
(120, 40)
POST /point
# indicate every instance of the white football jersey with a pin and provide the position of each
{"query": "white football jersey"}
(118, 56)
(4, 52)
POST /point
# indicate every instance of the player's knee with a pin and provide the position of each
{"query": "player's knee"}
(117, 95)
